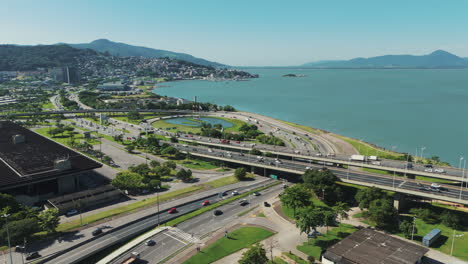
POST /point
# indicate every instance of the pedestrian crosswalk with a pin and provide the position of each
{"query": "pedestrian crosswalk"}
(182, 236)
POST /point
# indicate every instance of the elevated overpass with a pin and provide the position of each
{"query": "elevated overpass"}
(386, 165)
(394, 183)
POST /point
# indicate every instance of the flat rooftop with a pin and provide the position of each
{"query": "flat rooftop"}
(34, 159)
(367, 246)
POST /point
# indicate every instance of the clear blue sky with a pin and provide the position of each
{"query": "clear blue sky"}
(246, 32)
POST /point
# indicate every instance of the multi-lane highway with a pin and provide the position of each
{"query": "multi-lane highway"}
(122, 234)
(191, 231)
(400, 184)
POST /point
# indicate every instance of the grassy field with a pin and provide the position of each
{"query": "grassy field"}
(417, 177)
(460, 249)
(314, 246)
(368, 150)
(137, 121)
(289, 212)
(222, 182)
(65, 138)
(237, 240)
(48, 105)
(305, 128)
(164, 125)
(196, 164)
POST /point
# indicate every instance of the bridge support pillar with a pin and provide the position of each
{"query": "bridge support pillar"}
(400, 202)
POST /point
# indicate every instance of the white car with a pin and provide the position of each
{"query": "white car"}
(375, 163)
(428, 170)
(210, 150)
(308, 168)
(72, 212)
(318, 154)
(235, 193)
(435, 186)
(439, 170)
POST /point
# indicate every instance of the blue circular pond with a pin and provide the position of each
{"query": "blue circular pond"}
(196, 122)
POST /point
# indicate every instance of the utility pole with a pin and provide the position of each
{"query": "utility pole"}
(8, 236)
(412, 233)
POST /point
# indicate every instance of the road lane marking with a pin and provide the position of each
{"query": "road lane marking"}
(401, 184)
(183, 242)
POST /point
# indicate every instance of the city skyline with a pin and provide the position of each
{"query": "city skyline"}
(246, 34)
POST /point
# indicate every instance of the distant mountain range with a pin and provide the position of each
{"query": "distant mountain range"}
(438, 59)
(126, 50)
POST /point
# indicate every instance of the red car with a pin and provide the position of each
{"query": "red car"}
(173, 210)
(238, 142)
(205, 203)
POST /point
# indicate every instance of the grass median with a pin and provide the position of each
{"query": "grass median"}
(237, 240)
(198, 212)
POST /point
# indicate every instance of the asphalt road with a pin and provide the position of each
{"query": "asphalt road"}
(386, 180)
(110, 238)
(190, 231)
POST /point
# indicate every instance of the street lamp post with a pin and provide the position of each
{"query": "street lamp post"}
(412, 232)
(347, 173)
(453, 242)
(463, 176)
(8, 236)
(157, 198)
(422, 152)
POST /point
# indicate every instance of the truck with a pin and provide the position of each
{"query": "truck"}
(358, 157)
(134, 257)
(373, 158)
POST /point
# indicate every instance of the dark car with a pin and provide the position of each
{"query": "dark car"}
(266, 204)
(33, 255)
(97, 231)
(256, 194)
(150, 242)
(243, 202)
(218, 212)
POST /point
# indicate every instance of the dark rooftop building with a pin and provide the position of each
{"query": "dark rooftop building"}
(367, 246)
(33, 165)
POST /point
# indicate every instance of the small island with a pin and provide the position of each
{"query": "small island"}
(294, 75)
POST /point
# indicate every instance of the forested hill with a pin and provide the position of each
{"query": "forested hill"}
(24, 58)
(126, 50)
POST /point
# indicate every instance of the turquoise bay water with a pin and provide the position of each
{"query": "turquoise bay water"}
(187, 122)
(408, 109)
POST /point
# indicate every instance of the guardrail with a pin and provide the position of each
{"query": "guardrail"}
(335, 161)
(300, 172)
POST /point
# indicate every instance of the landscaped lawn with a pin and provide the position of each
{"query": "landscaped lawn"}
(315, 245)
(368, 150)
(305, 128)
(444, 243)
(65, 138)
(238, 239)
(164, 125)
(460, 249)
(196, 164)
(223, 181)
(48, 105)
(289, 212)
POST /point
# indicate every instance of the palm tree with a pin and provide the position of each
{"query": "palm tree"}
(296, 197)
(309, 219)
